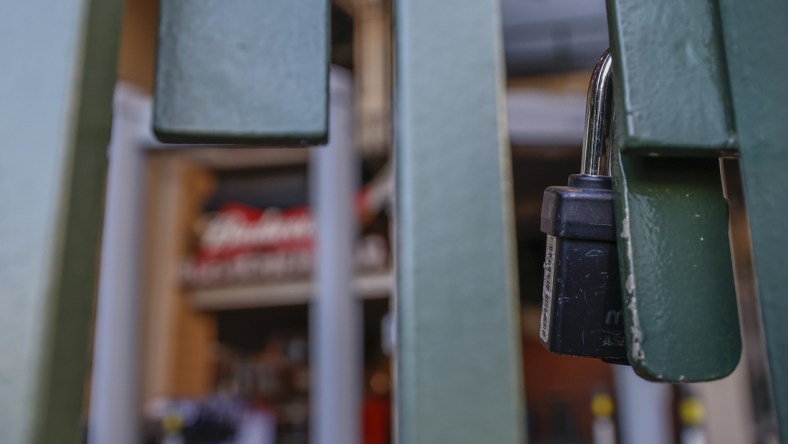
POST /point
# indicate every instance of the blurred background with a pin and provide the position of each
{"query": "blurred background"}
(219, 275)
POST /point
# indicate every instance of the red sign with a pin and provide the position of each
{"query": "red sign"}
(241, 244)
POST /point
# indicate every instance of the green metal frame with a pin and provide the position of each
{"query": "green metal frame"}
(700, 79)
(456, 269)
(55, 119)
(458, 346)
(756, 42)
(672, 106)
(721, 84)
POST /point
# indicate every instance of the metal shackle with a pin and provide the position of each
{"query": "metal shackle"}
(599, 113)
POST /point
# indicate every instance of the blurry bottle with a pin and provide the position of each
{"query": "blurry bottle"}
(172, 425)
(376, 407)
(692, 415)
(604, 427)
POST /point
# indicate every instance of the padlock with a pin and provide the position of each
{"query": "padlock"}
(581, 297)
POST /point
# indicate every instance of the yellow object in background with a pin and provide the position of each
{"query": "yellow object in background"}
(172, 423)
(602, 405)
(691, 411)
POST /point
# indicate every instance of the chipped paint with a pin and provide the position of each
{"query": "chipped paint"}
(625, 225)
(637, 352)
(625, 234)
(630, 284)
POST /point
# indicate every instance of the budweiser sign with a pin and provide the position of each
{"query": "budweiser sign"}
(240, 244)
(238, 228)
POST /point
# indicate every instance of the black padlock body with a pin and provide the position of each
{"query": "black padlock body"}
(582, 304)
(581, 210)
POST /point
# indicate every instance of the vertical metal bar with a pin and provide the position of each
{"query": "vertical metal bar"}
(114, 401)
(55, 112)
(458, 330)
(334, 330)
(756, 39)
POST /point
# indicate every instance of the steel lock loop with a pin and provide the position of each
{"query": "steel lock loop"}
(599, 115)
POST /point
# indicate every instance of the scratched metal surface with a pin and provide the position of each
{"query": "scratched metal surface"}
(680, 308)
(669, 63)
(242, 71)
(756, 38)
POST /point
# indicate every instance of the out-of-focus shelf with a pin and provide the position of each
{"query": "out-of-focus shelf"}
(366, 286)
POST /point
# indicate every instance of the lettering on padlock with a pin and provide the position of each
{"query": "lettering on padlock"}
(581, 295)
(613, 317)
(547, 288)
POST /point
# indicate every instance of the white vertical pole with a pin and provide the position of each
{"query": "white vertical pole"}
(643, 408)
(114, 412)
(335, 313)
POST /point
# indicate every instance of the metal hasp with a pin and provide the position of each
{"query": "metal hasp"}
(679, 298)
(242, 71)
(458, 335)
(55, 121)
(672, 121)
(756, 41)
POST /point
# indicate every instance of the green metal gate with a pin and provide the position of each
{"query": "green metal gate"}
(695, 81)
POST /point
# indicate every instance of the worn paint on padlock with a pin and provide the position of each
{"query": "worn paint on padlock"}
(251, 71)
(669, 65)
(680, 308)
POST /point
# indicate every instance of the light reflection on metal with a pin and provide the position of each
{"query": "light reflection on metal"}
(599, 105)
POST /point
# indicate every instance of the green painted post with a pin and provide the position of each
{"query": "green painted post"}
(672, 106)
(56, 87)
(458, 350)
(756, 42)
